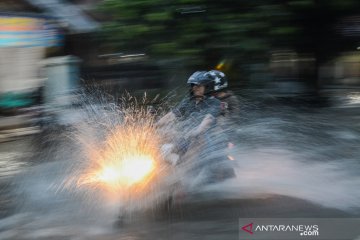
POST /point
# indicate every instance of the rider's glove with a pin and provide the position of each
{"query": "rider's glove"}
(193, 134)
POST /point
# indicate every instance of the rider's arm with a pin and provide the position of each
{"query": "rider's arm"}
(172, 115)
(213, 111)
(204, 125)
(169, 117)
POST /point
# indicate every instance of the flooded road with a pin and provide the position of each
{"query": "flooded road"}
(290, 162)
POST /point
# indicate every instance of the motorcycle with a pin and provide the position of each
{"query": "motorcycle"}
(195, 167)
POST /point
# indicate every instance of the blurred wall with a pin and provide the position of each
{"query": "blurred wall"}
(19, 68)
(343, 71)
(23, 40)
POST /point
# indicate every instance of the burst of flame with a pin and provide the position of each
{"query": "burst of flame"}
(131, 170)
(128, 157)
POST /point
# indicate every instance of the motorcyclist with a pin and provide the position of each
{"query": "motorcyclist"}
(199, 108)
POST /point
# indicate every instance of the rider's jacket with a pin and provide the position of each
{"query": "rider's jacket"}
(188, 108)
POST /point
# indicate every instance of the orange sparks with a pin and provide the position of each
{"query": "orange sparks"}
(127, 158)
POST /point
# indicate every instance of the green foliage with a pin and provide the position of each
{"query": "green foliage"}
(164, 48)
(208, 30)
(302, 3)
(285, 31)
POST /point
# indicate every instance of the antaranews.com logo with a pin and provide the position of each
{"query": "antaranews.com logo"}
(299, 228)
(302, 230)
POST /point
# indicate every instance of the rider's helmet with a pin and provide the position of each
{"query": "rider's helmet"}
(219, 79)
(201, 78)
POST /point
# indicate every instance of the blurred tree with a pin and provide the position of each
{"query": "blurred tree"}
(200, 31)
(203, 32)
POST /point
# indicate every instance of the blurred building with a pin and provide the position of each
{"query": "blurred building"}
(24, 38)
(344, 70)
(31, 30)
(292, 73)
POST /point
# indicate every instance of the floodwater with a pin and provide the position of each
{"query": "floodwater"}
(290, 161)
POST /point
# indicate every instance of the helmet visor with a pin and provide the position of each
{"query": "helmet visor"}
(196, 84)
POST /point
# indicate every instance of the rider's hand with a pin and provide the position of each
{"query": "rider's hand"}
(193, 134)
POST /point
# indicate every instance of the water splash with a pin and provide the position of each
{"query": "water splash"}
(274, 154)
(265, 172)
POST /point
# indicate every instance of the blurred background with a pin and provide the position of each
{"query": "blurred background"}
(294, 64)
(299, 47)
(284, 48)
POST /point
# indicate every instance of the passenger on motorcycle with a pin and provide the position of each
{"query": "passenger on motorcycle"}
(230, 105)
(230, 111)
